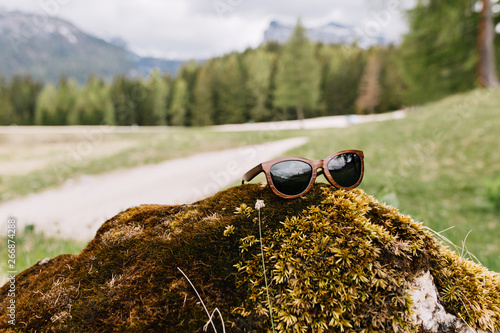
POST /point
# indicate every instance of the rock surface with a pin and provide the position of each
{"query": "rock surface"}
(428, 312)
(334, 261)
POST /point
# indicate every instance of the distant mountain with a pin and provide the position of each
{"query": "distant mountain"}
(144, 65)
(48, 47)
(331, 33)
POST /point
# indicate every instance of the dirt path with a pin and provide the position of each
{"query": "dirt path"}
(312, 123)
(77, 209)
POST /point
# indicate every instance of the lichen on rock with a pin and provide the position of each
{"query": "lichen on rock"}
(335, 261)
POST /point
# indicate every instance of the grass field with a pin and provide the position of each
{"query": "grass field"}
(441, 165)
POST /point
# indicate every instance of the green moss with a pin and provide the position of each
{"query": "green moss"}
(335, 260)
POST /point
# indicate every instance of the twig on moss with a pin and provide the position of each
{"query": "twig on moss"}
(466, 324)
(258, 205)
(210, 316)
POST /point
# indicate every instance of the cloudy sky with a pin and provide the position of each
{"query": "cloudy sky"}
(180, 29)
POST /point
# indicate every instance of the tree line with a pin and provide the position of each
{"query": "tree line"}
(272, 82)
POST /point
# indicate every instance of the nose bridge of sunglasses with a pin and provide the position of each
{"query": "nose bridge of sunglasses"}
(319, 164)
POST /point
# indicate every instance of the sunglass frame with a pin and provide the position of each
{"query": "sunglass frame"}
(319, 164)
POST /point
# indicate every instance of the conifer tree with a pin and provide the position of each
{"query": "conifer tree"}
(65, 100)
(177, 110)
(143, 114)
(259, 65)
(298, 74)
(122, 96)
(7, 114)
(23, 92)
(46, 107)
(157, 91)
(189, 73)
(392, 87)
(343, 68)
(232, 95)
(203, 107)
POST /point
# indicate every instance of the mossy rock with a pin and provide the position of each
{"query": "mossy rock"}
(335, 261)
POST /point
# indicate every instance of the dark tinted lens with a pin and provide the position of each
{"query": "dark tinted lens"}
(345, 169)
(291, 177)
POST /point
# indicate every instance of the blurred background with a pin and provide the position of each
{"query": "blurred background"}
(93, 91)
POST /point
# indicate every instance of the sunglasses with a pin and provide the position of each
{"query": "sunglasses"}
(291, 177)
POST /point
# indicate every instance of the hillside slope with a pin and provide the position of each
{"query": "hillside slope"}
(47, 47)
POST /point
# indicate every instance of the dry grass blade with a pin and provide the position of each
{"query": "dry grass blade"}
(210, 316)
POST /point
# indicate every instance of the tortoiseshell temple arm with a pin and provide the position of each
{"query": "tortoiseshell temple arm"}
(251, 173)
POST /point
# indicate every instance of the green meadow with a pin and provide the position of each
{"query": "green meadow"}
(440, 164)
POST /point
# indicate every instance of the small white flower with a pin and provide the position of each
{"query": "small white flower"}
(44, 261)
(259, 204)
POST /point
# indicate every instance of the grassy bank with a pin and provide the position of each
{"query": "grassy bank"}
(33, 246)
